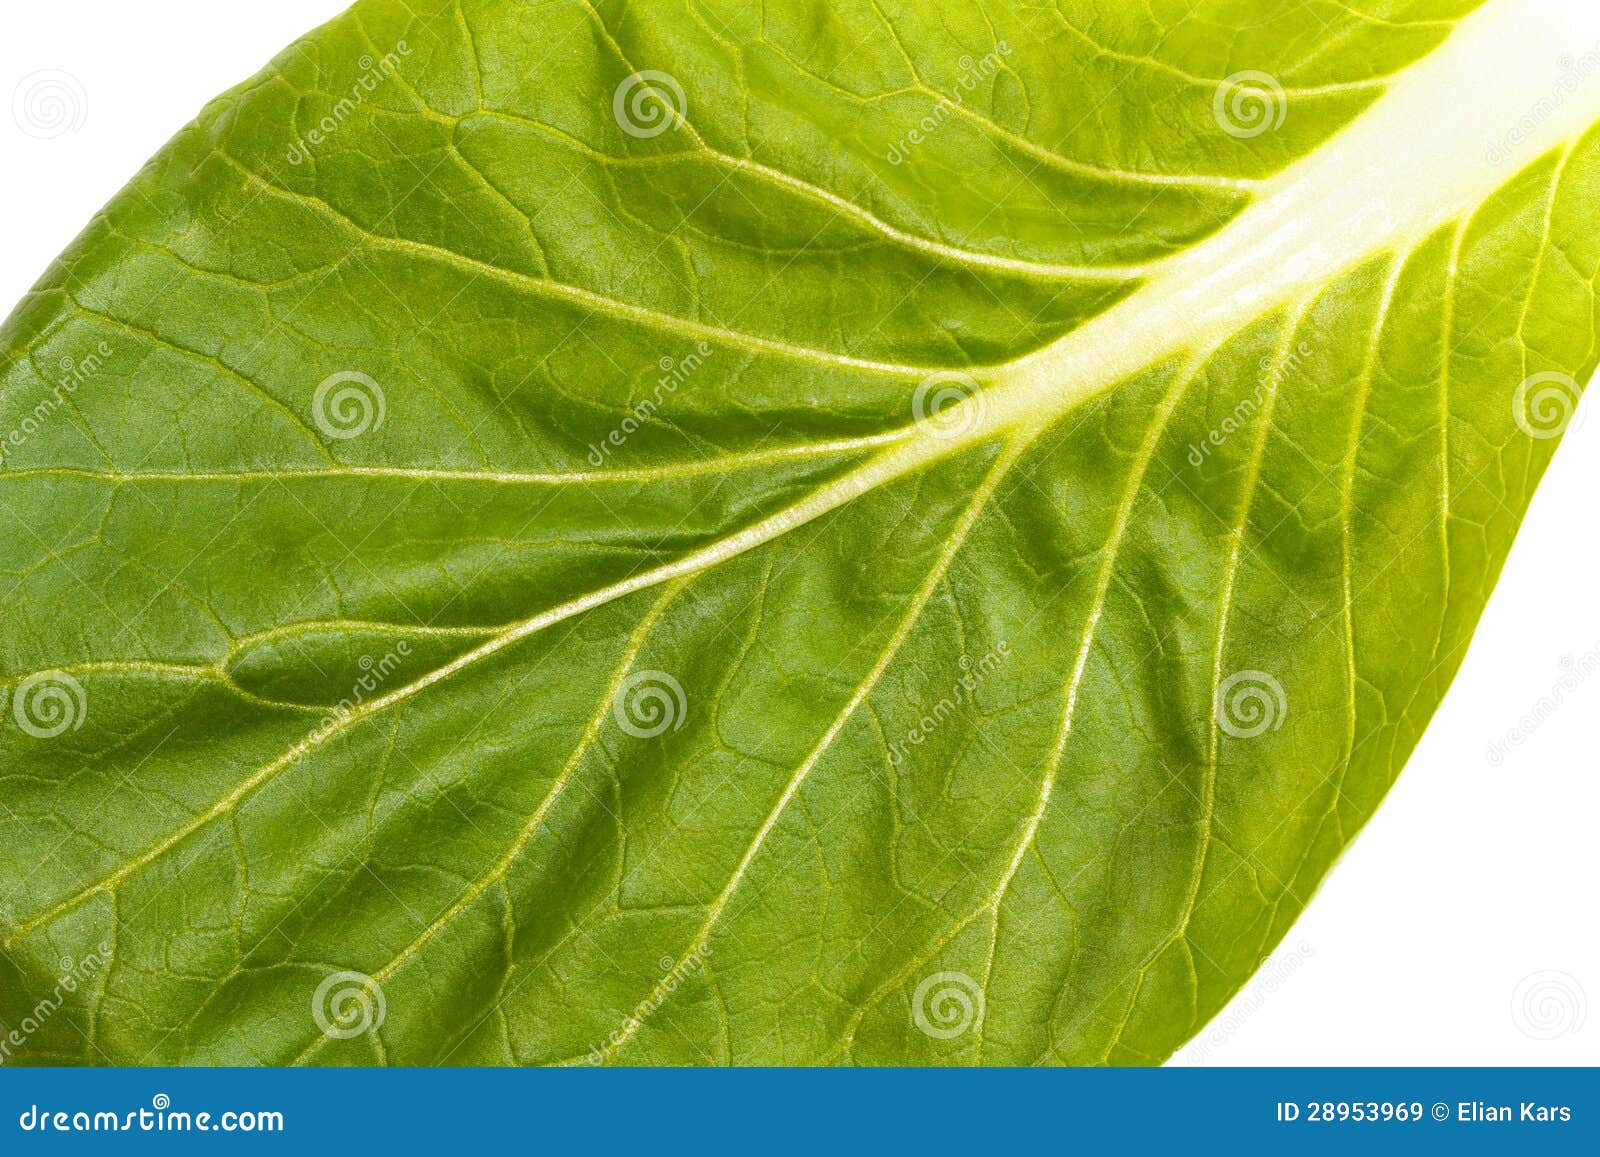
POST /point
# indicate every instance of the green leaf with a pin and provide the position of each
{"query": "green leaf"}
(806, 533)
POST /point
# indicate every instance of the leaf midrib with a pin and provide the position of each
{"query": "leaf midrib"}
(1253, 266)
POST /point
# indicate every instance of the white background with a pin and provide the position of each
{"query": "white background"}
(1473, 876)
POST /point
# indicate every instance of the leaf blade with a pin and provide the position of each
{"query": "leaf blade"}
(1023, 516)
